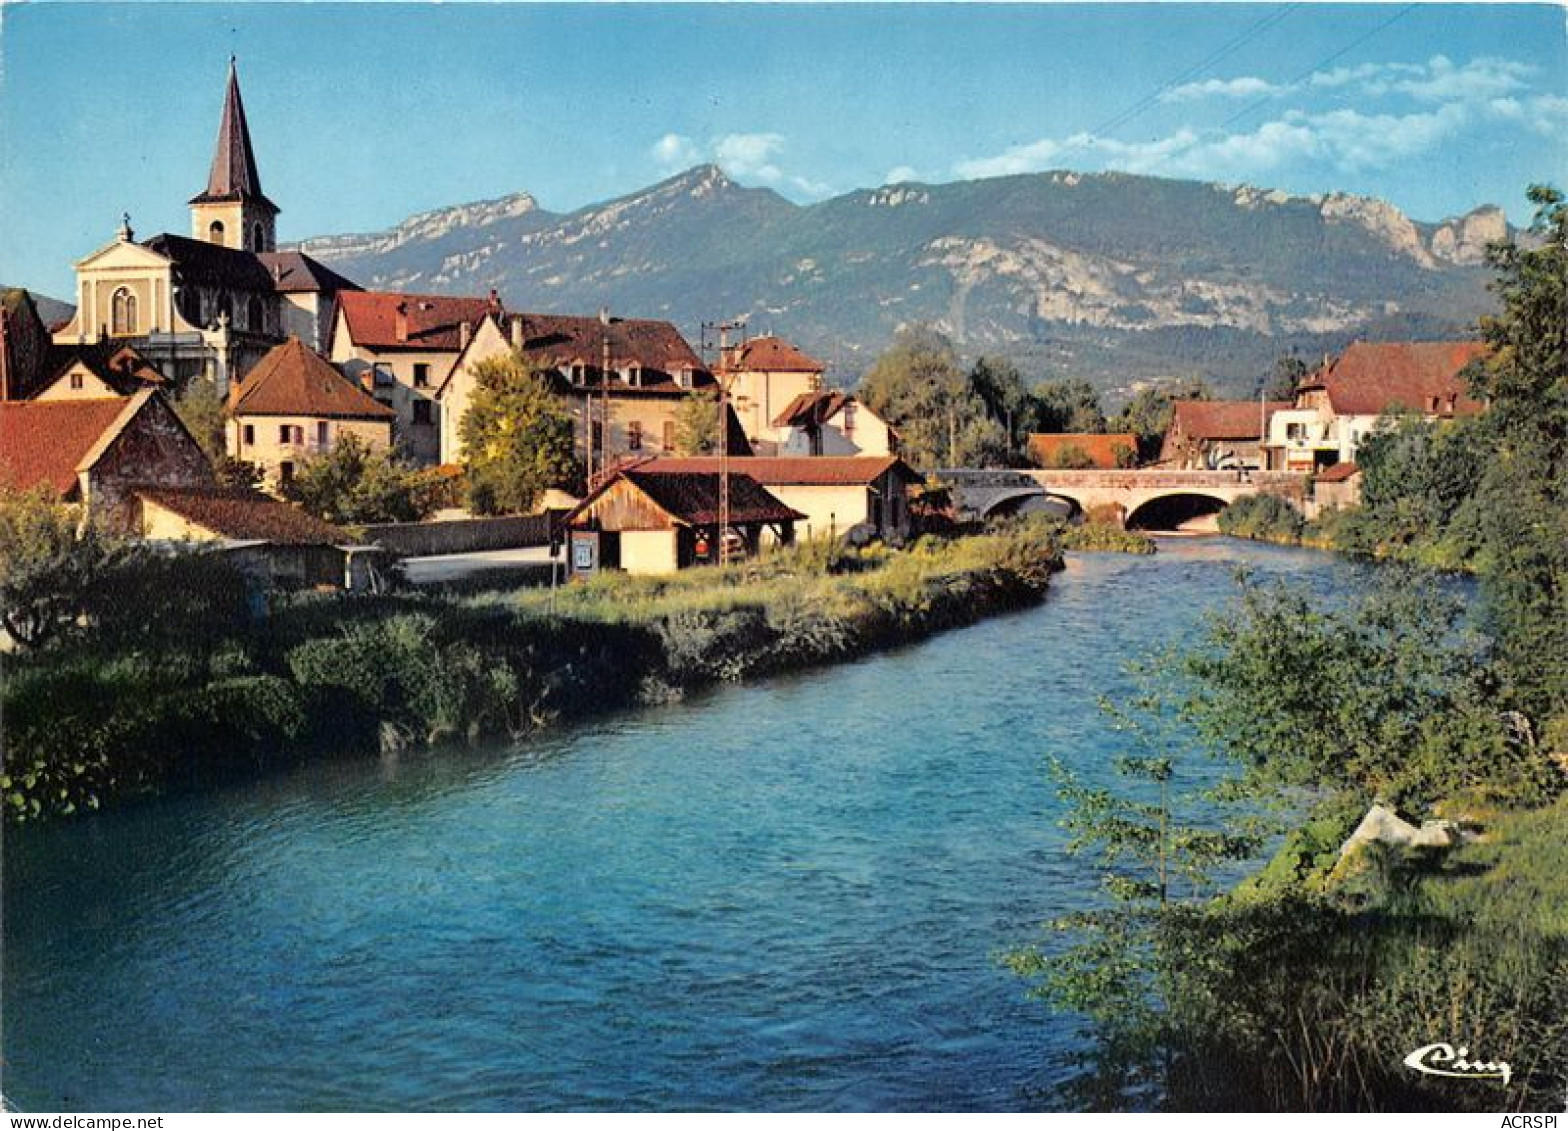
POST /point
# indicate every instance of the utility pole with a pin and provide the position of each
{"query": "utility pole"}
(725, 378)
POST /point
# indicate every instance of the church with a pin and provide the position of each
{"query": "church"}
(213, 303)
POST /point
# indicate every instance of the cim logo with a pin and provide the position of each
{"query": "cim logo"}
(1444, 1060)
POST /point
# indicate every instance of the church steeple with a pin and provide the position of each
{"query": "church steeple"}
(233, 211)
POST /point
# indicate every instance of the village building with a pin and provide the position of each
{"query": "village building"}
(657, 523)
(401, 348)
(210, 304)
(626, 416)
(829, 422)
(1083, 450)
(294, 406)
(765, 376)
(1218, 435)
(1344, 401)
(277, 544)
(99, 452)
(854, 496)
(1339, 486)
(33, 367)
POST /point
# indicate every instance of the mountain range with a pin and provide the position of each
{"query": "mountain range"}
(1117, 278)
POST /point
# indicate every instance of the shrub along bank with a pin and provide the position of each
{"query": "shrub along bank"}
(205, 691)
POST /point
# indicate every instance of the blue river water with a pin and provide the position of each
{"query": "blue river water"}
(789, 895)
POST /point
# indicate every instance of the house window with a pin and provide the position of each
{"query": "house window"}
(215, 232)
(669, 435)
(250, 435)
(422, 412)
(123, 312)
(1295, 431)
(849, 418)
(381, 376)
(634, 374)
(579, 373)
(255, 316)
(322, 433)
(76, 381)
(421, 375)
(291, 434)
(634, 435)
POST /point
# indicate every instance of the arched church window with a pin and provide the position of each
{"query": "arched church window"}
(215, 232)
(255, 233)
(254, 315)
(123, 312)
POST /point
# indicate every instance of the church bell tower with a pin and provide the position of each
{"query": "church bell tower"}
(232, 211)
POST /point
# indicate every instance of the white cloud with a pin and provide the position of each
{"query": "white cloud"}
(1548, 114)
(899, 174)
(675, 151)
(1247, 86)
(750, 155)
(1439, 79)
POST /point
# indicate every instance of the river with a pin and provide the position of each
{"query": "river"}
(789, 895)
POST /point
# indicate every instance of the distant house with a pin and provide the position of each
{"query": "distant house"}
(293, 406)
(1339, 486)
(643, 522)
(1218, 435)
(831, 423)
(765, 376)
(400, 348)
(275, 542)
(99, 452)
(1342, 402)
(1083, 450)
(33, 367)
(629, 414)
(835, 495)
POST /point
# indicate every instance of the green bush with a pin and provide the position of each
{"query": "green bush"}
(1267, 518)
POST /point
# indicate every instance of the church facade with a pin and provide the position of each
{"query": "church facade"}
(210, 304)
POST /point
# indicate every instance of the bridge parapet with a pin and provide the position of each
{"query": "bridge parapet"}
(1156, 479)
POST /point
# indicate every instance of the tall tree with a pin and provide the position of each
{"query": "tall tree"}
(1285, 375)
(920, 388)
(1068, 405)
(49, 562)
(1148, 414)
(697, 423)
(517, 438)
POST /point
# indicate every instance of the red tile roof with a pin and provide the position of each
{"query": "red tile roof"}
(793, 471)
(292, 380)
(1224, 420)
(1371, 378)
(812, 408)
(42, 443)
(246, 515)
(771, 354)
(1339, 473)
(1046, 447)
(431, 322)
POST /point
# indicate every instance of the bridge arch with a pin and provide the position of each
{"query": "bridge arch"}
(1027, 500)
(1176, 509)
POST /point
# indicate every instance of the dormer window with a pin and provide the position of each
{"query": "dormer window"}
(579, 373)
(123, 312)
(683, 377)
(634, 374)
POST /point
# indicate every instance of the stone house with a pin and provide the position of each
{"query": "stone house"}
(294, 406)
(99, 452)
(1218, 435)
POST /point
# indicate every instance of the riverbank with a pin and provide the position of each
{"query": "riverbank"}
(93, 723)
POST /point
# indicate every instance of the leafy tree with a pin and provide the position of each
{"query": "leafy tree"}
(1070, 457)
(1006, 399)
(1286, 374)
(1418, 475)
(920, 388)
(1148, 415)
(201, 410)
(697, 423)
(1069, 405)
(1522, 498)
(354, 484)
(517, 438)
(50, 560)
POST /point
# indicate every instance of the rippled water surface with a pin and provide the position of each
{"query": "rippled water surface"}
(789, 895)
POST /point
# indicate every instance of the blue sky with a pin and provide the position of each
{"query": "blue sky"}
(363, 114)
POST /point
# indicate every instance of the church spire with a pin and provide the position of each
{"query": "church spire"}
(233, 175)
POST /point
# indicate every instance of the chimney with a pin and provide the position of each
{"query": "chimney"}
(465, 331)
(400, 323)
(495, 302)
(518, 337)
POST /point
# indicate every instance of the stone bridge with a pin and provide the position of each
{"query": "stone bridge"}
(1151, 498)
